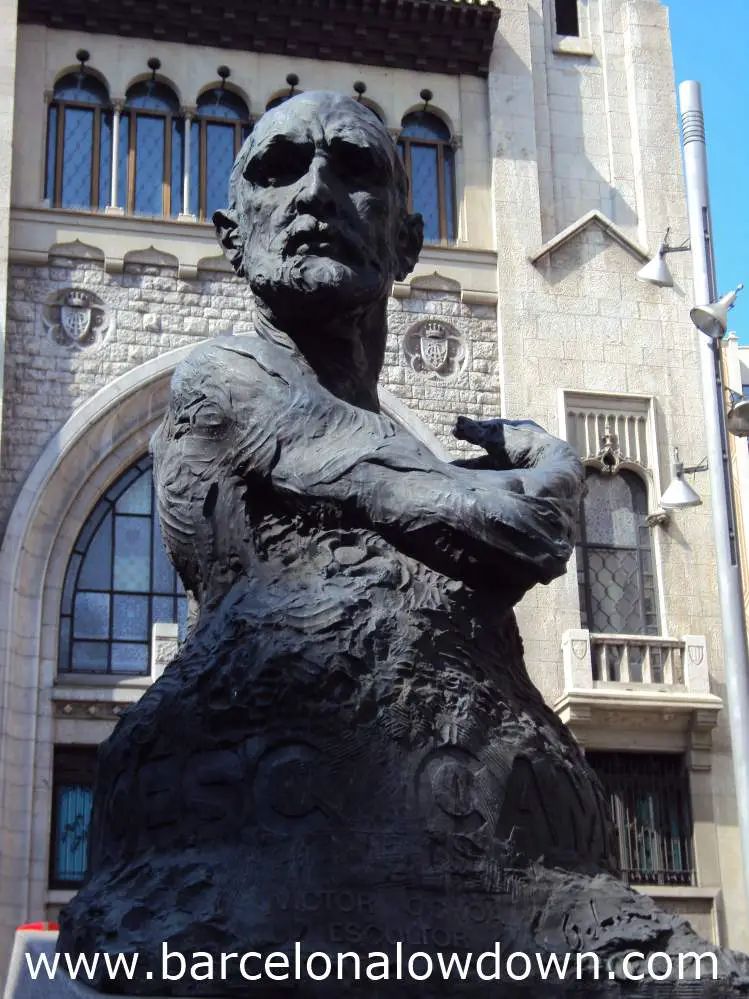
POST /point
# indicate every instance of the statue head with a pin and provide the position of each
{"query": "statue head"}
(318, 219)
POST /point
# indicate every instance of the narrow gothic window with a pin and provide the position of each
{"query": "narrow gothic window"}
(79, 143)
(72, 799)
(615, 561)
(223, 123)
(567, 20)
(151, 151)
(650, 806)
(119, 581)
(424, 144)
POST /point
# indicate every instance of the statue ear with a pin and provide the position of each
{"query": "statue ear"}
(227, 233)
(410, 241)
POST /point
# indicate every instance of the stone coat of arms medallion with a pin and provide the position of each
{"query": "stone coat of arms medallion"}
(434, 347)
(76, 318)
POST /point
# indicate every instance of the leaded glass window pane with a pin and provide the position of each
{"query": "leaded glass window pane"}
(153, 96)
(220, 103)
(118, 582)
(132, 556)
(449, 180)
(49, 184)
(77, 157)
(219, 161)
(127, 657)
(96, 573)
(424, 188)
(91, 615)
(105, 159)
(195, 169)
(423, 125)
(615, 566)
(90, 657)
(137, 497)
(430, 165)
(123, 148)
(130, 618)
(150, 150)
(82, 88)
(178, 165)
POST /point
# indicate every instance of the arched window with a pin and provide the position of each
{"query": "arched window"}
(223, 121)
(151, 151)
(79, 143)
(119, 581)
(424, 144)
(615, 559)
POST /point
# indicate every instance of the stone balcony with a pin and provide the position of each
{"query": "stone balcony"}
(639, 692)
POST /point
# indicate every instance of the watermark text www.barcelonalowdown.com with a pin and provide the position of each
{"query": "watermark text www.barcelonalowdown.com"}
(347, 966)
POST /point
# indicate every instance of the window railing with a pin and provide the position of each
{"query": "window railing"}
(607, 660)
(637, 659)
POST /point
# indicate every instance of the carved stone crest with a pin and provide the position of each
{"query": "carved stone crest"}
(434, 347)
(76, 318)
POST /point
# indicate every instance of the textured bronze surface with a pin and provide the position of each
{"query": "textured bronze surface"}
(347, 750)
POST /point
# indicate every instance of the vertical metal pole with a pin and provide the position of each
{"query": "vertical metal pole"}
(735, 654)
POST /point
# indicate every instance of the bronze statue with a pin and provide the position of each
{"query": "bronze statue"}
(347, 751)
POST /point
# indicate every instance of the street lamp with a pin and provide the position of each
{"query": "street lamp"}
(656, 269)
(711, 319)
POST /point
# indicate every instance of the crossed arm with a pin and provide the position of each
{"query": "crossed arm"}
(504, 521)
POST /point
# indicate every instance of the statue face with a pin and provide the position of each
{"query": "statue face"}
(320, 215)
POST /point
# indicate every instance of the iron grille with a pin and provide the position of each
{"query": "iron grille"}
(73, 793)
(649, 798)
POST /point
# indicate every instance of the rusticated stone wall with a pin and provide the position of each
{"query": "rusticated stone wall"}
(147, 310)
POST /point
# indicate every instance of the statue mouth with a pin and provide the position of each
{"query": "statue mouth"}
(323, 240)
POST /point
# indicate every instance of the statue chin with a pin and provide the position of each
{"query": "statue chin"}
(319, 284)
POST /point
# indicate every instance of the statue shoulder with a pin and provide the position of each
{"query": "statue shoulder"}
(226, 360)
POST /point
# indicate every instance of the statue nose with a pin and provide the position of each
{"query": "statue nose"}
(316, 194)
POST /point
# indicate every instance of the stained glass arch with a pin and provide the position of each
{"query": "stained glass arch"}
(425, 145)
(118, 582)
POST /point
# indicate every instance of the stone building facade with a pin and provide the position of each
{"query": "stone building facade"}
(558, 173)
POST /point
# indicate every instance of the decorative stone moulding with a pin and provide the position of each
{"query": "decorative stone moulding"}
(435, 348)
(77, 318)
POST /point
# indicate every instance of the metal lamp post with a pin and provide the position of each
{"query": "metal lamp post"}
(736, 656)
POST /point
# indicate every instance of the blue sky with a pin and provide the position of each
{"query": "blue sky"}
(711, 45)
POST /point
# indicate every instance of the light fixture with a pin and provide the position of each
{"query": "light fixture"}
(679, 495)
(360, 88)
(713, 319)
(292, 79)
(224, 72)
(737, 417)
(656, 270)
(426, 95)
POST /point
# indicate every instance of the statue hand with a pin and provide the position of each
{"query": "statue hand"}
(509, 443)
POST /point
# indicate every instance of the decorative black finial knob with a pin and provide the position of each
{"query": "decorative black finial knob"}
(426, 96)
(224, 72)
(292, 79)
(360, 88)
(83, 56)
(154, 65)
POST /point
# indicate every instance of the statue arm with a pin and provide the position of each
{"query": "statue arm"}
(239, 415)
(507, 526)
